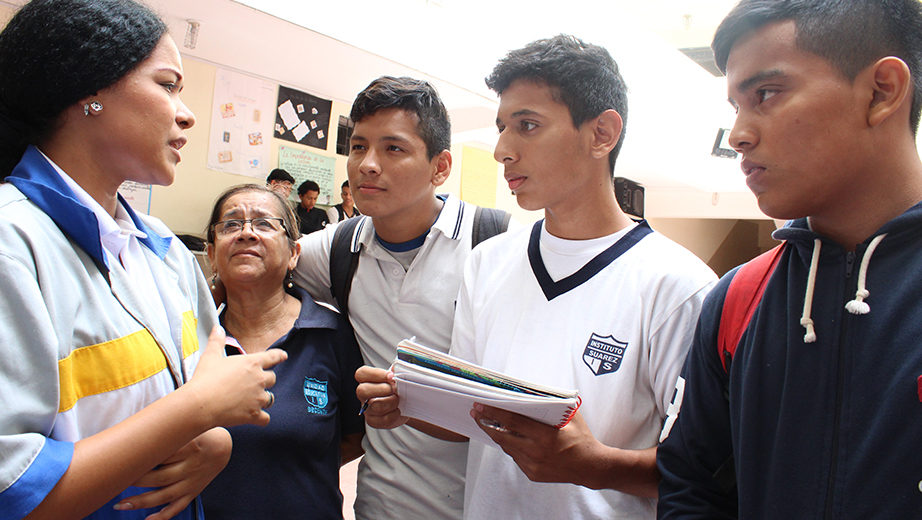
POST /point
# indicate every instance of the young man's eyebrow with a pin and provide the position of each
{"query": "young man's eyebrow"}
(756, 78)
(397, 138)
(519, 113)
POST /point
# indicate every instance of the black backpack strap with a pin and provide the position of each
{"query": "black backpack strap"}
(343, 263)
(489, 222)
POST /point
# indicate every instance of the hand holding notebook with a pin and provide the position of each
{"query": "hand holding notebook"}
(442, 389)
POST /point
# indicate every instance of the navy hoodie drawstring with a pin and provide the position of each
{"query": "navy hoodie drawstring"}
(856, 306)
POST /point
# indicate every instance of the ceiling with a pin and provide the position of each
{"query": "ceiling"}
(335, 48)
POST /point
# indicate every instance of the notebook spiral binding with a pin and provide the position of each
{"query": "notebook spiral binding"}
(570, 413)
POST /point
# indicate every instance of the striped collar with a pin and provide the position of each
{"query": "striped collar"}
(37, 179)
(448, 223)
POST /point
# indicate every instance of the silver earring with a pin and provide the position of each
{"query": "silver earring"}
(289, 279)
(95, 105)
(214, 279)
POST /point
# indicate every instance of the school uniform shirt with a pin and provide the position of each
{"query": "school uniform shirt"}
(611, 317)
(311, 220)
(290, 468)
(336, 213)
(81, 346)
(405, 474)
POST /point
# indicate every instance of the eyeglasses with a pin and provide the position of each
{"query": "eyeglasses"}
(266, 226)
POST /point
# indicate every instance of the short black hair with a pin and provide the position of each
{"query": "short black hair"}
(850, 34)
(53, 53)
(412, 95)
(345, 183)
(307, 186)
(583, 77)
(280, 175)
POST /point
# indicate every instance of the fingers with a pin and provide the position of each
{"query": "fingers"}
(216, 339)
(367, 374)
(383, 413)
(270, 358)
(500, 420)
(157, 497)
(377, 391)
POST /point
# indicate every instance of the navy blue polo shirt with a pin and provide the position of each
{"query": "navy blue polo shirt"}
(290, 468)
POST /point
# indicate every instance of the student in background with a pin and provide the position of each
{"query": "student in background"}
(281, 182)
(411, 245)
(104, 314)
(816, 414)
(345, 209)
(586, 299)
(310, 218)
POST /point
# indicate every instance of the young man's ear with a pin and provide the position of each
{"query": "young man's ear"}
(891, 83)
(606, 133)
(442, 164)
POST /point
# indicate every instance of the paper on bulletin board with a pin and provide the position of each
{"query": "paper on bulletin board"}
(242, 116)
(478, 177)
(137, 196)
(304, 165)
(302, 118)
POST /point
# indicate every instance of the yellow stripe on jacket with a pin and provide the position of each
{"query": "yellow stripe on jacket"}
(189, 337)
(96, 369)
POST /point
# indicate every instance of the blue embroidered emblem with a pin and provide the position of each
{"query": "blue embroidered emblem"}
(603, 354)
(315, 392)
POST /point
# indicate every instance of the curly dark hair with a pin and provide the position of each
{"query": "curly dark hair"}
(53, 53)
(413, 95)
(583, 77)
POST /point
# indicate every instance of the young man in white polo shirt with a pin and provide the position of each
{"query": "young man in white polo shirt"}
(585, 299)
(412, 246)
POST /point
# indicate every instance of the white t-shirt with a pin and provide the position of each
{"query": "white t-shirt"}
(619, 337)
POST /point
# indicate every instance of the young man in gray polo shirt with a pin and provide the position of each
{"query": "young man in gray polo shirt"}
(412, 246)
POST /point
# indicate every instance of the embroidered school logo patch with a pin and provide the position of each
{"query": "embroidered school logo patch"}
(603, 354)
(316, 394)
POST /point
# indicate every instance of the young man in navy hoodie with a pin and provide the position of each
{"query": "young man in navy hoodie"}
(818, 413)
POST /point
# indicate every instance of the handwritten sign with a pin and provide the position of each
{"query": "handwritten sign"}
(304, 165)
(137, 195)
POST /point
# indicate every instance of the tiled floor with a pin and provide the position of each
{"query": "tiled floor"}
(347, 485)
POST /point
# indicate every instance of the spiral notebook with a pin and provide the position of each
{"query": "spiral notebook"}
(442, 389)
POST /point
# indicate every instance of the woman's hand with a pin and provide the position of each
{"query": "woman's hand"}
(233, 390)
(181, 477)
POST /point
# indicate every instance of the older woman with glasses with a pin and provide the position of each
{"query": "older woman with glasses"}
(289, 469)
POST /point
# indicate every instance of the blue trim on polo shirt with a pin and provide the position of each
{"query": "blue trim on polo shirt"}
(38, 480)
(37, 179)
(403, 247)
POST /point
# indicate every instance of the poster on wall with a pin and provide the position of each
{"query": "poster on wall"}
(241, 124)
(137, 196)
(302, 118)
(304, 165)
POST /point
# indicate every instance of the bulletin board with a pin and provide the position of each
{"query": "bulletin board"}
(241, 124)
(304, 165)
(302, 118)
